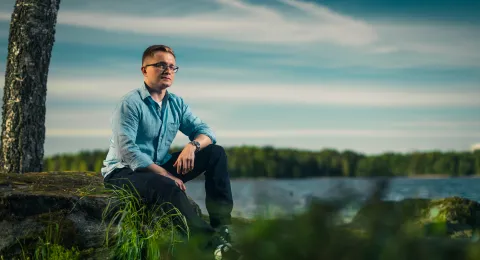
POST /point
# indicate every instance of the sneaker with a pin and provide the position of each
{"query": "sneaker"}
(222, 249)
(224, 231)
(226, 252)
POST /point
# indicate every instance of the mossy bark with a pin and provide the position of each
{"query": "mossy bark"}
(30, 43)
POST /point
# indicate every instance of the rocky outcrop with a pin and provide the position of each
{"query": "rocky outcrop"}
(72, 203)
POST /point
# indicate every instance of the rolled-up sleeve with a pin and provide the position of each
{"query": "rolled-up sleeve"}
(125, 124)
(192, 126)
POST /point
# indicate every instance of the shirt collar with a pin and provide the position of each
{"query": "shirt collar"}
(145, 94)
(144, 91)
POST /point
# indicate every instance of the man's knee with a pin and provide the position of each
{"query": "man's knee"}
(162, 188)
(165, 184)
(218, 151)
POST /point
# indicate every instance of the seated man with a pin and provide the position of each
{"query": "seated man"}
(144, 125)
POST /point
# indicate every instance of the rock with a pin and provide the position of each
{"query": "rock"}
(455, 217)
(75, 201)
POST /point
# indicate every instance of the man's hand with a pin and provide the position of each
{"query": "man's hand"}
(180, 183)
(160, 170)
(185, 160)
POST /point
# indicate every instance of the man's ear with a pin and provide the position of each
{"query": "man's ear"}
(144, 70)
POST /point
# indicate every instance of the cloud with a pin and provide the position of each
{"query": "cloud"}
(301, 32)
(336, 94)
(452, 41)
(385, 49)
(311, 31)
(256, 24)
(80, 120)
(291, 133)
(67, 132)
(106, 90)
(309, 133)
(5, 16)
(345, 30)
(438, 124)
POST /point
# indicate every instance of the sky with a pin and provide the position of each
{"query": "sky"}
(370, 76)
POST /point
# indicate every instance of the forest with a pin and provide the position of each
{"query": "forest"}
(269, 162)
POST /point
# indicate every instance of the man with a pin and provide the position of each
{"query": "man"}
(144, 125)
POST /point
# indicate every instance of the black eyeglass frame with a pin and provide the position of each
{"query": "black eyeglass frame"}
(164, 65)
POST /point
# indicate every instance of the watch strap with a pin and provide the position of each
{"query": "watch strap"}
(197, 145)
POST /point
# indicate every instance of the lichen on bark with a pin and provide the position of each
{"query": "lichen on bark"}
(30, 43)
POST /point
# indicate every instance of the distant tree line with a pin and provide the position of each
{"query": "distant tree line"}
(269, 162)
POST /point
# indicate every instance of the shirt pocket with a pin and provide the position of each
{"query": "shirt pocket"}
(172, 130)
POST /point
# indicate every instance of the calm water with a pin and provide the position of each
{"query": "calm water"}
(271, 197)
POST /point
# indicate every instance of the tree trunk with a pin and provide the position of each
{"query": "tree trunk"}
(32, 34)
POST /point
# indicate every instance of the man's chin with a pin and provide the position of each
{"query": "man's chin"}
(160, 86)
(164, 85)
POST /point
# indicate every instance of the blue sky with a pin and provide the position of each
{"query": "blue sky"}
(371, 76)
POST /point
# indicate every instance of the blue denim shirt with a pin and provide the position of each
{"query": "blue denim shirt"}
(142, 130)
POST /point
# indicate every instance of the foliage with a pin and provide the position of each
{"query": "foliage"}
(267, 162)
(386, 231)
(50, 247)
(318, 234)
(143, 231)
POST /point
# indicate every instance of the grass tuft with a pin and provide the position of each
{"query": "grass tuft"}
(143, 231)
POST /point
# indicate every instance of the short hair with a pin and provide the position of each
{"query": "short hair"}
(150, 51)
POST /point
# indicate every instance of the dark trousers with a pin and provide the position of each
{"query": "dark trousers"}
(156, 189)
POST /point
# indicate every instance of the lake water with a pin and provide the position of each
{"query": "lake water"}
(268, 198)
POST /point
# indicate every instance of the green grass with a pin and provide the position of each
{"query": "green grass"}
(142, 231)
(49, 247)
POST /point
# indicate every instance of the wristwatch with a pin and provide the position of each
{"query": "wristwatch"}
(196, 144)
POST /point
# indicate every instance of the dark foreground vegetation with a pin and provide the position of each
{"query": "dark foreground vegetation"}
(73, 221)
(267, 162)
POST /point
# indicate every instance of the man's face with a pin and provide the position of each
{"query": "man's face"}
(162, 75)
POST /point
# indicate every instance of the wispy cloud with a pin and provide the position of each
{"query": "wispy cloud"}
(83, 119)
(343, 29)
(385, 49)
(310, 31)
(292, 133)
(452, 41)
(5, 16)
(336, 94)
(67, 132)
(256, 24)
(306, 133)
(341, 93)
(438, 124)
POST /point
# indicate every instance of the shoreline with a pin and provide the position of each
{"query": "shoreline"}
(420, 176)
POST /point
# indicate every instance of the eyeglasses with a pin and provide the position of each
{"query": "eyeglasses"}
(162, 65)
